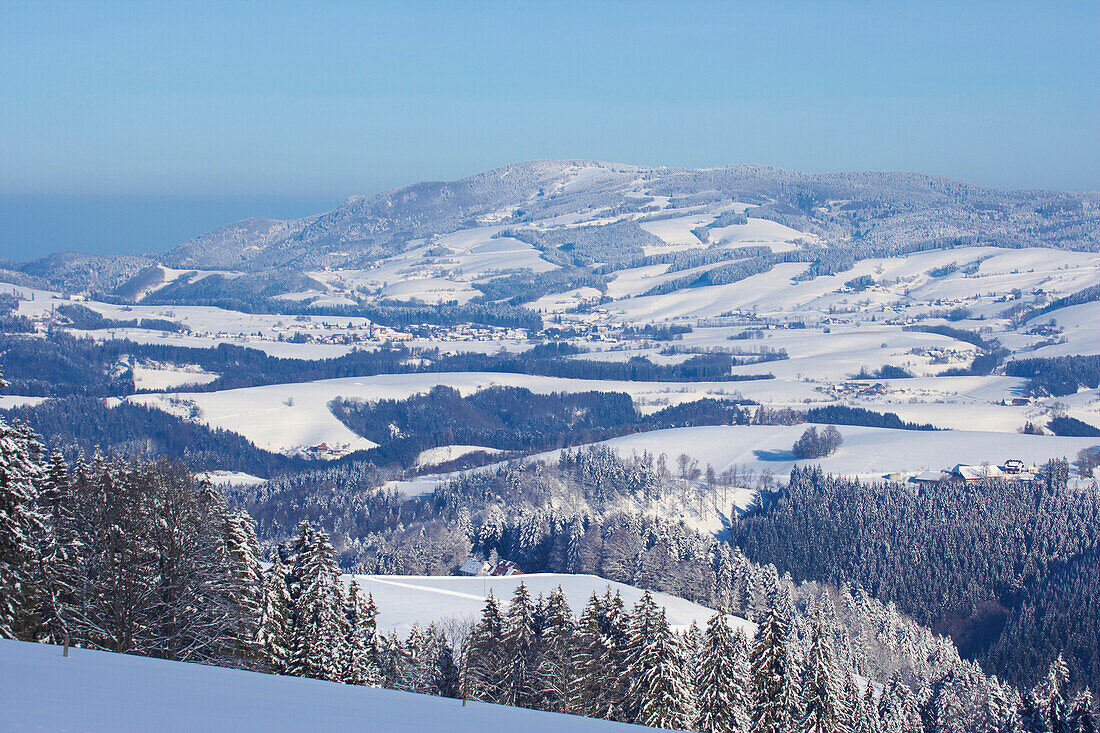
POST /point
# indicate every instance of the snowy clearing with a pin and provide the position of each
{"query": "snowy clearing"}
(867, 453)
(445, 453)
(231, 478)
(161, 377)
(405, 599)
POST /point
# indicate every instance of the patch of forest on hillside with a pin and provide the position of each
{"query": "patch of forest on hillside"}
(513, 419)
(989, 583)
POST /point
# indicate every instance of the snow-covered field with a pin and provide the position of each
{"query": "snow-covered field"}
(161, 376)
(231, 478)
(278, 418)
(901, 283)
(288, 417)
(867, 453)
(406, 599)
(445, 453)
(101, 692)
(8, 401)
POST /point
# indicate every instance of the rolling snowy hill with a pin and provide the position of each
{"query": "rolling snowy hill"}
(406, 599)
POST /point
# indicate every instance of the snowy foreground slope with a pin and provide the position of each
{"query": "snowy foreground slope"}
(101, 692)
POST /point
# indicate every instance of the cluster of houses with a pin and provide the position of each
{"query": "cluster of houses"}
(475, 567)
(856, 389)
(465, 332)
(324, 451)
(1012, 469)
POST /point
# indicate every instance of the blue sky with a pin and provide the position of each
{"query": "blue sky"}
(118, 117)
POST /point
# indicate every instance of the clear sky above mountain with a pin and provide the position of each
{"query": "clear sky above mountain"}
(273, 108)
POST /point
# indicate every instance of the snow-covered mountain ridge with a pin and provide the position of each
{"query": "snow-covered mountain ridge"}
(538, 191)
(883, 211)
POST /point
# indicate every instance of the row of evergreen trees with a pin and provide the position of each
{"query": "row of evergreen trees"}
(632, 666)
(134, 558)
(142, 558)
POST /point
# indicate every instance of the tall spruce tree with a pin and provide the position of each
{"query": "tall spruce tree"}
(59, 552)
(1057, 702)
(591, 665)
(318, 613)
(419, 672)
(722, 681)
(822, 701)
(520, 686)
(357, 666)
(1003, 708)
(897, 707)
(1031, 714)
(484, 662)
(275, 632)
(871, 710)
(368, 623)
(858, 719)
(446, 675)
(20, 526)
(660, 691)
(553, 675)
(247, 586)
(1082, 719)
(615, 624)
(773, 678)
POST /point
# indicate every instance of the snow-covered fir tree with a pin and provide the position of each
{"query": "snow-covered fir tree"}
(822, 699)
(520, 642)
(318, 611)
(773, 678)
(484, 661)
(897, 708)
(358, 667)
(1003, 708)
(60, 554)
(1031, 717)
(20, 525)
(554, 673)
(722, 680)
(1082, 716)
(247, 581)
(591, 664)
(660, 690)
(1057, 693)
(857, 719)
(275, 632)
